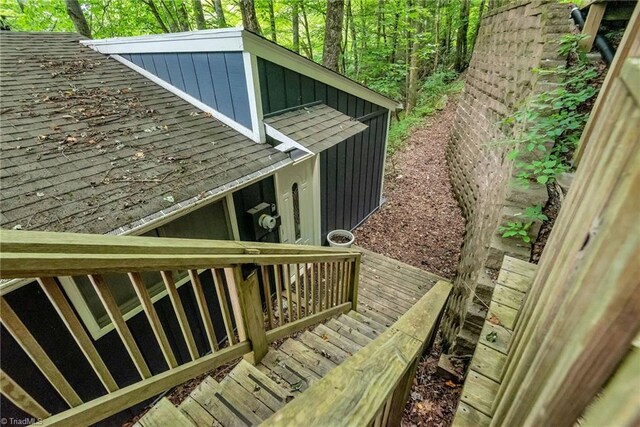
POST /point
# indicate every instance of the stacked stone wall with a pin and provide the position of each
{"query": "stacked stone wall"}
(512, 42)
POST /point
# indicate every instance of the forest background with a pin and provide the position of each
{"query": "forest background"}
(409, 50)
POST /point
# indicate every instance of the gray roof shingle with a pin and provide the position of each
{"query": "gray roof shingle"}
(316, 127)
(89, 145)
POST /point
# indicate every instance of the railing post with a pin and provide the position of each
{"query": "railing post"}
(354, 279)
(250, 306)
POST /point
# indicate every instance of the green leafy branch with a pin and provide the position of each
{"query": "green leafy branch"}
(520, 229)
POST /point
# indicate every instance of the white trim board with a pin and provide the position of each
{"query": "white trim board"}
(253, 134)
(237, 39)
(287, 143)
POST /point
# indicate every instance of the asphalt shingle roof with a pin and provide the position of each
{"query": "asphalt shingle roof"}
(89, 145)
(316, 127)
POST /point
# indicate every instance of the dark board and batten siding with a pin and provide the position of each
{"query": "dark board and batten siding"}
(350, 172)
(216, 79)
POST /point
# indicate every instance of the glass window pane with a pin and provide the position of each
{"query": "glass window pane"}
(208, 222)
(295, 196)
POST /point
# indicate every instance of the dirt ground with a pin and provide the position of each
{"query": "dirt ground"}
(421, 224)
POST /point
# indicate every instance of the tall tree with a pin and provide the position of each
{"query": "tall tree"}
(414, 61)
(333, 34)
(77, 17)
(156, 14)
(197, 9)
(461, 41)
(295, 26)
(249, 18)
(308, 46)
(221, 22)
(477, 29)
(272, 21)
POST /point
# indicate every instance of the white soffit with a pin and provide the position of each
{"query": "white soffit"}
(233, 40)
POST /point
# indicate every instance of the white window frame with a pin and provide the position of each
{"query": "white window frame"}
(82, 307)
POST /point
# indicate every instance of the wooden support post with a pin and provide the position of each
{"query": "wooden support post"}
(592, 24)
(354, 279)
(401, 395)
(251, 312)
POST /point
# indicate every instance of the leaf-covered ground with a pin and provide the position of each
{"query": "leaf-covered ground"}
(421, 224)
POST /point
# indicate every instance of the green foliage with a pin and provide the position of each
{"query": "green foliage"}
(520, 229)
(552, 118)
(433, 97)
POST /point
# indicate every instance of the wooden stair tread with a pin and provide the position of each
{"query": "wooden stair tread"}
(229, 411)
(286, 371)
(231, 390)
(260, 385)
(323, 348)
(479, 392)
(348, 332)
(307, 357)
(164, 413)
(359, 326)
(467, 416)
(378, 317)
(196, 413)
(337, 339)
(367, 321)
(250, 394)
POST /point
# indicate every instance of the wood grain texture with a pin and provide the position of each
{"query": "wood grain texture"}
(355, 391)
(19, 397)
(154, 320)
(164, 413)
(110, 305)
(218, 281)
(36, 353)
(68, 316)
(178, 309)
(102, 407)
(203, 308)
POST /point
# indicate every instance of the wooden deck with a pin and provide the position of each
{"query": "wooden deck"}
(250, 394)
(487, 366)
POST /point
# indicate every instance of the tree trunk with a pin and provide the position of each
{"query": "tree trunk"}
(197, 9)
(249, 18)
(77, 17)
(309, 46)
(183, 17)
(295, 26)
(436, 35)
(394, 39)
(272, 21)
(156, 14)
(221, 22)
(333, 34)
(379, 12)
(461, 42)
(477, 29)
(354, 46)
(414, 64)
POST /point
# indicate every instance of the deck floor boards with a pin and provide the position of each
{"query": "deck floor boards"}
(387, 289)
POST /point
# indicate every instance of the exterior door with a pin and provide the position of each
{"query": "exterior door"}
(297, 203)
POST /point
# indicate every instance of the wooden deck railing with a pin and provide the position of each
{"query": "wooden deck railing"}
(372, 386)
(263, 291)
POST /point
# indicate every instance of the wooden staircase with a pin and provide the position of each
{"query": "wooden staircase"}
(251, 394)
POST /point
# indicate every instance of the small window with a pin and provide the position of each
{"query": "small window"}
(295, 196)
(208, 222)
